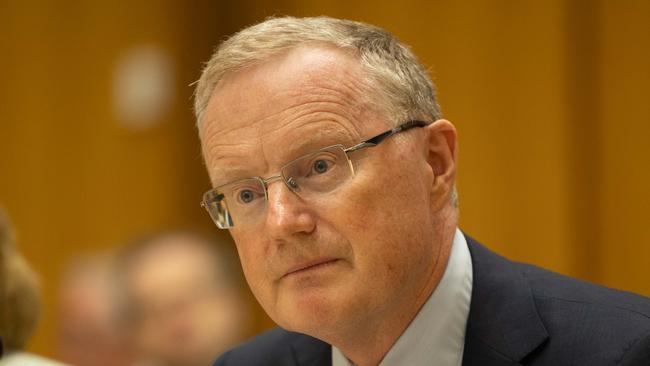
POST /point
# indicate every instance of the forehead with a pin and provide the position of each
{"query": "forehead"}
(308, 94)
(305, 73)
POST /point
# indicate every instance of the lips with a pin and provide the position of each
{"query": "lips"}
(309, 265)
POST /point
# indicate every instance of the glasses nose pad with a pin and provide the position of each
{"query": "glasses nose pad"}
(292, 184)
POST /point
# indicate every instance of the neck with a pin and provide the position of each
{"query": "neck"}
(369, 340)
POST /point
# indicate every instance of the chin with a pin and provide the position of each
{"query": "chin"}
(314, 314)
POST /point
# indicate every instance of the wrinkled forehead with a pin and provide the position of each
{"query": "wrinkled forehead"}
(315, 73)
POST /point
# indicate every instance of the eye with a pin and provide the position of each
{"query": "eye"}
(246, 195)
(320, 166)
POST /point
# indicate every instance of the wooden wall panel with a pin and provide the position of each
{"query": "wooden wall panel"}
(624, 136)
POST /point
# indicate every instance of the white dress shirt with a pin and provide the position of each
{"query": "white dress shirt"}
(437, 334)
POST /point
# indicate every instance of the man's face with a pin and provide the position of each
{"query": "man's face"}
(359, 255)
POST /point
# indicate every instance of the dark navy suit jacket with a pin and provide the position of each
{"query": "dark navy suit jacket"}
(519, 315)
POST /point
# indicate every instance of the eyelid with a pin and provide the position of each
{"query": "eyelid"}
(249, 184)
(231, 183)
(328, 157)
(307, 162)
(256, 191)
(321, 155)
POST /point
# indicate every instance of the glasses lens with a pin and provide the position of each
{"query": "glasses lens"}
(320, 172)
(244, 201)
(236, 203)
(216, 206)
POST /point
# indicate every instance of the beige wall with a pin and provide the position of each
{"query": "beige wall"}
(550, 99)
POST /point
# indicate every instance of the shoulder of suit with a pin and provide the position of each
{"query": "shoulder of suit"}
(584, 322)
(605, 323)
(273, 347)
(550, 286)
(274, 344)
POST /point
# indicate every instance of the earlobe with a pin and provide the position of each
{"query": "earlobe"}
(441, 147)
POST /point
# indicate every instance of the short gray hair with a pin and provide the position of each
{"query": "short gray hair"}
(400, 83)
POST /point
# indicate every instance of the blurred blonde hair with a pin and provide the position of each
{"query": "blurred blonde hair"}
(20, 300)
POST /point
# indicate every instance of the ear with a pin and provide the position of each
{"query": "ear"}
(441, 156)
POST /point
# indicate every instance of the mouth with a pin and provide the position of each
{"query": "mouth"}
(310, 265)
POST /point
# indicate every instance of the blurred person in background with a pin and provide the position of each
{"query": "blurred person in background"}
(20, 303)
(90, 332)
(185, 300)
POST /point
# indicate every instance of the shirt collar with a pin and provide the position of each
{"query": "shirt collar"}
(438, 330)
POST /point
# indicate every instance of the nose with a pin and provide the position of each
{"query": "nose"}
(287, 214)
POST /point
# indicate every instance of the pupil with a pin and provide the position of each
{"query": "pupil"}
(320, 166)
(246, 196)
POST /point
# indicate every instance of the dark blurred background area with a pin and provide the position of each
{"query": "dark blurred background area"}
(551, 100)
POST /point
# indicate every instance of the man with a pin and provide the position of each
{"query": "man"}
(334, 172)
(184, 300)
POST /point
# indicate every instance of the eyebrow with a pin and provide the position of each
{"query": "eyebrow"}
(230, 175)
(320, 140)
(316, 140)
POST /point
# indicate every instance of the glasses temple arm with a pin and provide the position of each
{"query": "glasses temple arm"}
(374, 141)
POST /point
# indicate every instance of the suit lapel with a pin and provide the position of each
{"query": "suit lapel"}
(503, 325)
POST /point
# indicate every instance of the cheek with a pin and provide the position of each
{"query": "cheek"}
(253, 263)
(387, 217)
(367, 220)
(383, 205)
